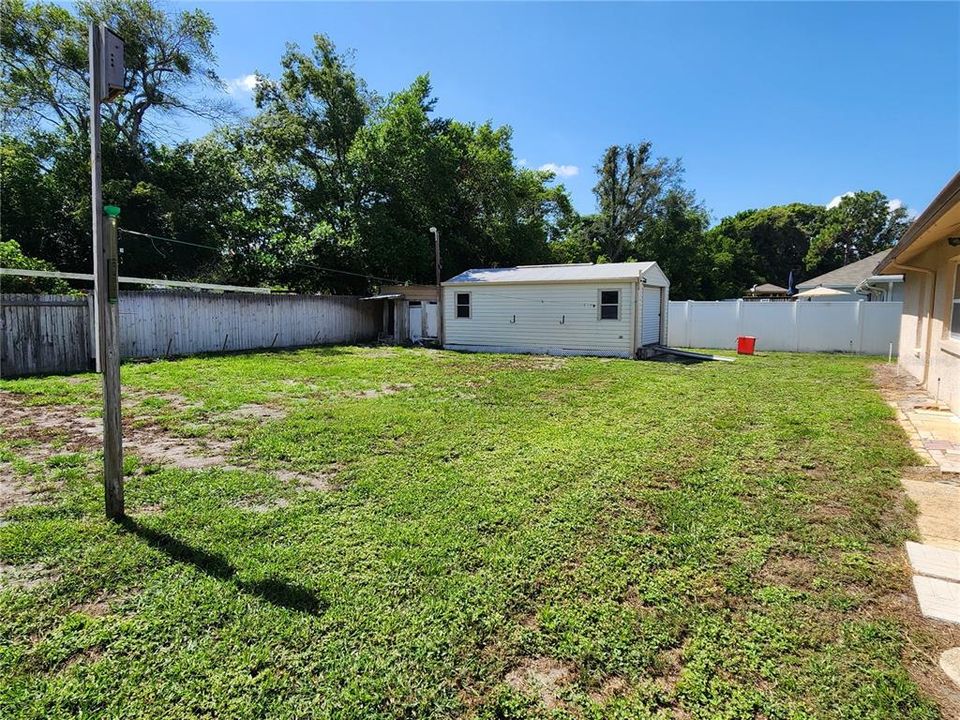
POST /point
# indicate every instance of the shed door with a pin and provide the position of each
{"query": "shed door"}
(431, 309)
(416, 321)
(650, 330)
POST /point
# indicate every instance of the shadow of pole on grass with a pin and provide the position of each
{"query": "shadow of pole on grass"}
(273, 590)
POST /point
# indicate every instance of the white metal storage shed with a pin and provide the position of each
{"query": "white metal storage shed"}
(613, 309)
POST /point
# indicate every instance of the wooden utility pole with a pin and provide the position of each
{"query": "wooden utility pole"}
(436, 255)
(103, 86)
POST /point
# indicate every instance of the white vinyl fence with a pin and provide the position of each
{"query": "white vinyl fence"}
(855, 327)
(42, 334)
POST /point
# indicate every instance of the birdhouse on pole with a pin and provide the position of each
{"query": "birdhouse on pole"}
(111, 64)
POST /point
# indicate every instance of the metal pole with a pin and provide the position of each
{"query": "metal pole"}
(436, 256)
(106, 299)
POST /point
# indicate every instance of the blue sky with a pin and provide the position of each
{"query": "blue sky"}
(765, 103)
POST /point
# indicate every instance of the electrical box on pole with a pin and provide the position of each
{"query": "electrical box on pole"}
(106, 83)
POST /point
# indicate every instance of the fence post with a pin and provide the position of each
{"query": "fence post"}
(796, 324)
(739, 317)
(93, 350)
(859, 327)
(687, 320)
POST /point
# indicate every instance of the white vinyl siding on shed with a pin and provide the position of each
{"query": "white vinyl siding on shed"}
(541, 317)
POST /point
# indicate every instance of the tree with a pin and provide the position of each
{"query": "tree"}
(674, 237)
(863, 223)
(45, 84)
(756, 246)
(630, 185)
(12, 256)
(362, 179)
(299, 148)
(44, 94)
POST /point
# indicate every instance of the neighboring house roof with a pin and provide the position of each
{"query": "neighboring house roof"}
(573, 272)
(849, 275)
(940, 218)
(767, 289)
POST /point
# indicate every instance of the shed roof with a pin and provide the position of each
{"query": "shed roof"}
(571, 272)
(768, 289)
(849, 275)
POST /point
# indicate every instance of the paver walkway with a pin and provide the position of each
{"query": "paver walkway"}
(934, 433)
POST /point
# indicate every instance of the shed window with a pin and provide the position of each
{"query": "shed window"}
(955, 314)
(463, 305)
(609, 304)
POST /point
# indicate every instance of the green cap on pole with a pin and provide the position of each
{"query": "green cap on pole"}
(111, 210)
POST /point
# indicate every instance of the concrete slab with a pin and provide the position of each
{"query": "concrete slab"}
(938, 518)
(934, 561)
(938, 598)
(950, 664)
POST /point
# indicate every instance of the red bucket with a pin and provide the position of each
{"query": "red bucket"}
(746, 345)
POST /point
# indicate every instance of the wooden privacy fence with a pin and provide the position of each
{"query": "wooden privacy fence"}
(44, 334)
(41, 334)
(801, 326)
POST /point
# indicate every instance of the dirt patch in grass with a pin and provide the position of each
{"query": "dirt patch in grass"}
(529, 362)
(48, 424)
(149, 509)
(253, 411)
(88, 655)
(391, 389)
(321, 482)
(930, 473)
(26, 577)
(172, 400)
(185, 453)
(792, 571)
(49, 429)
(609, 689)
(896, 387)
(543, 678)
(45, 425)
(13, 492)
(98, 607)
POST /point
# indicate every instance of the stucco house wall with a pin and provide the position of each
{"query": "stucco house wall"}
(928, 255)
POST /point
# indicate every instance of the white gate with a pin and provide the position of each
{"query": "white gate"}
(431, 314)
(650, 328)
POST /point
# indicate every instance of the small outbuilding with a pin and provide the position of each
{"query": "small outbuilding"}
(613, 309)
(767, 291)
(410, 313)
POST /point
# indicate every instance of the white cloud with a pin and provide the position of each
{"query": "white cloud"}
(560, 170)
(243, 85)
(522, 162)
(895, 204)
(836, 201)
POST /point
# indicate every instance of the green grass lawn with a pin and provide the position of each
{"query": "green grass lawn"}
(486, 536)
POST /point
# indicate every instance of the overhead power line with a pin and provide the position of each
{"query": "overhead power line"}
(297, 264)
(16, 272)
